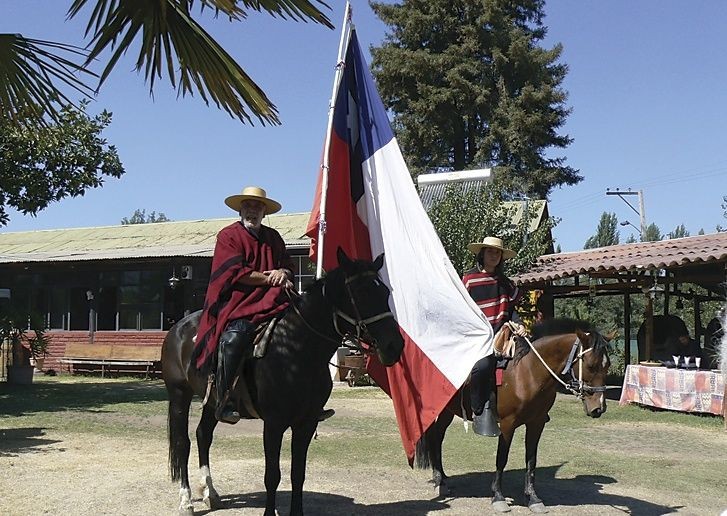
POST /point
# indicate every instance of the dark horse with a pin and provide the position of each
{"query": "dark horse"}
(291, 383)
(578, 359)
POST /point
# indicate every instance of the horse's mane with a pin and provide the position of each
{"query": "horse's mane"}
(557, 326)
(560, 326)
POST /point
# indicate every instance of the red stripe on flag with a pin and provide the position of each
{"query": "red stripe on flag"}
(344, 227)
(421, 395)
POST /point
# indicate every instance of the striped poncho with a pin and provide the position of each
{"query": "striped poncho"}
(237, 253)
(496, 298)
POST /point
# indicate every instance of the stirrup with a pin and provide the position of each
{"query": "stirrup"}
(226, 412)
(485, 424)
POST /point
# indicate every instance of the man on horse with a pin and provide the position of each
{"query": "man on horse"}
(496, 296)
(251, 271)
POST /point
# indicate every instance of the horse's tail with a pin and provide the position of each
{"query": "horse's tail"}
(177, 433)
(421, 453)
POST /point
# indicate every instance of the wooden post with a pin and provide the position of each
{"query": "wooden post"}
(627, 330)
(649, 319)
(697, 320)
(666, 294)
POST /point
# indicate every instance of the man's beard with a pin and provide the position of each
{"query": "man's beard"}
(252, 223)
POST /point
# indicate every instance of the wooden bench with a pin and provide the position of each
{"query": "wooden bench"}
(110, 356)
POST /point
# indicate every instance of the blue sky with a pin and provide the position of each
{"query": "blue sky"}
(646, 88)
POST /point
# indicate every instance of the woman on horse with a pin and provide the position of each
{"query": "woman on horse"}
(496, 295)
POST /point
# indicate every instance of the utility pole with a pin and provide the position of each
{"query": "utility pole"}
(640, 212)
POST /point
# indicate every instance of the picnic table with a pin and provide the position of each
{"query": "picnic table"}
(683, 390)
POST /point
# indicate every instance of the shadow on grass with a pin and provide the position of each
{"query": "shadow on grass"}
(579, 491)
(15, 441)
(568, 492)
(326, 503)
(16, 400)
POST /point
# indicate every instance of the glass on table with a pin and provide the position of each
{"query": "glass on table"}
(698, 361)
(676, 360)
(687, 360)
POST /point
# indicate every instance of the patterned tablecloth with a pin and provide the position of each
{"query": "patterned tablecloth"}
(674, 389)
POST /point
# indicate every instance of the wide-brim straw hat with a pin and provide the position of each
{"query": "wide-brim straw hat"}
(495, 243)
(254, 193)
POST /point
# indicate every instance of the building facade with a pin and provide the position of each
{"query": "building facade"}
(122, 284)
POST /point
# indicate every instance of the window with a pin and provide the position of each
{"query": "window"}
(57, 308)
(306, 271)
(140, 300)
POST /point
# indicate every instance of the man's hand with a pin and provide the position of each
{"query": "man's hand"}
(278, 278)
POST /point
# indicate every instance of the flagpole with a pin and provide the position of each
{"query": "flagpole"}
(342, 46)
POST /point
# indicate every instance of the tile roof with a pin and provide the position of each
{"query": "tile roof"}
(665, 254)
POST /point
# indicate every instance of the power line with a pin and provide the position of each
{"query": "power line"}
(664, 180)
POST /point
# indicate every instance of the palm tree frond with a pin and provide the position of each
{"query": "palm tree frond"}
(171, 37)
(302, 10)
(169, 32)
(29, 69)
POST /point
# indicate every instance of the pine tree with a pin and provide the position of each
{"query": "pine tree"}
(606, 234)
(724, 207)
(470, 86)
(140, 217)
(679, 232)
(652, 234)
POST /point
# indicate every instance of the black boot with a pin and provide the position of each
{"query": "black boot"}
(325, 414)
(229, 353)
(484, 410)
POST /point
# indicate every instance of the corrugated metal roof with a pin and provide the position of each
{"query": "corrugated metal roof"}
(433, 190)
(184, 238)
(432, 187)
(629, 257)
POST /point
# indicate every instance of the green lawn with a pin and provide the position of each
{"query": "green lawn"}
(630, 445)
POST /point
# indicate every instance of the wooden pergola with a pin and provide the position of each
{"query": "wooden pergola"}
(636, 269)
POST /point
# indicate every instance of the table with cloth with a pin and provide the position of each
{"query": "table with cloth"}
(684, 390)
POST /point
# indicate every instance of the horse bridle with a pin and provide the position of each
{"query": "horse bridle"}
(359, 324)
(576, 386)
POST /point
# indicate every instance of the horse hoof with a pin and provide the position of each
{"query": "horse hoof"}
(501, 506)
(187, 511)
(213, 502)
(441, 490)
(538, 508)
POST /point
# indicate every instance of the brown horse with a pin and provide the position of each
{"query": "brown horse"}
(578, 361)
(289, 385)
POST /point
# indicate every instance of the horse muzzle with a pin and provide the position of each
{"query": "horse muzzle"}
(595, 413)
(389, 350)
(594, 406)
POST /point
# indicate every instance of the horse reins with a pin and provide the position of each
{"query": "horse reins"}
(348, 340)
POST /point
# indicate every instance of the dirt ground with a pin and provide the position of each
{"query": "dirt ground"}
(51, 472)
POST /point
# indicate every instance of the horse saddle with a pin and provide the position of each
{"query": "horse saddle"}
(504, 343)
(263, 331)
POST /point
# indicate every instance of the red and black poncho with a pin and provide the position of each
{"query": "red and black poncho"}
(496, 298)
(237, 253)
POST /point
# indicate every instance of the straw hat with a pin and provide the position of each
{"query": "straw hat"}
(256, 194)
(495, 243)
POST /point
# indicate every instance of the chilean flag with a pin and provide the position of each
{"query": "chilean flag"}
(372, 208)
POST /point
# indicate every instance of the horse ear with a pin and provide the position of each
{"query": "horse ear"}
(342, 258)
(379, 262)
(583, 336)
